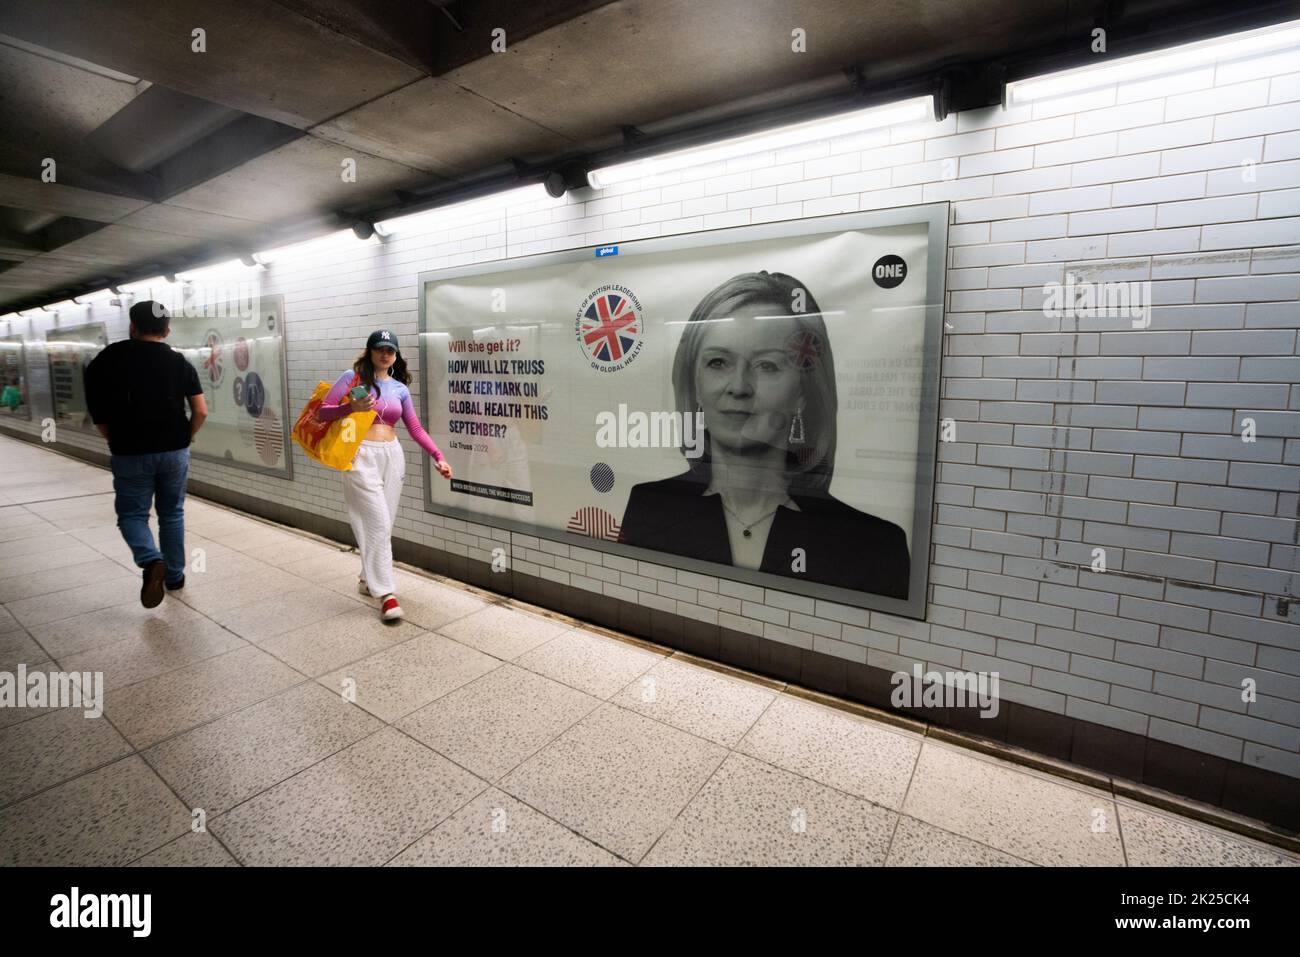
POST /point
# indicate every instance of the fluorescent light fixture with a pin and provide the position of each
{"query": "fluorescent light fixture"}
(228, 268)
(144, 285)
(310, 247)
(858, 121)
(56, 306)
(1159, 63)
(431, 218)
(98, 295)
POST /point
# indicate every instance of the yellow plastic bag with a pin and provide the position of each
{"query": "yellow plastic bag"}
(333, 444)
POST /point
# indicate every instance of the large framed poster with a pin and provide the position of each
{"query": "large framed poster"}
(239, 354)
(757, 403)
(14, 401)
(69, 351)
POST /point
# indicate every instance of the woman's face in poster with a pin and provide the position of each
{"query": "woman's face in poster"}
(747, 387)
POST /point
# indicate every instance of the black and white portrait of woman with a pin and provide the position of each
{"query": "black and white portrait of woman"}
(754, 363)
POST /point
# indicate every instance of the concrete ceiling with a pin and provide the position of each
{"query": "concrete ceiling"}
(166, 156)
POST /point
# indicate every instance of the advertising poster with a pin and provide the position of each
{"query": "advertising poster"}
(69, 351)
(758, 403)
(238, 352)
(13, 378)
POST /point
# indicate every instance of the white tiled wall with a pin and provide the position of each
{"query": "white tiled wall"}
(1071, 433)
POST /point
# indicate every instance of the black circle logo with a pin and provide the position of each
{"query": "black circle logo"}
(602, 477)
(889, 271)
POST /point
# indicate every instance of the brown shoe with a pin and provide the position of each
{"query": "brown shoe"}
(151, 592)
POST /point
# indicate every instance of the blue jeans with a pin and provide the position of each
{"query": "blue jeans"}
(137, 480)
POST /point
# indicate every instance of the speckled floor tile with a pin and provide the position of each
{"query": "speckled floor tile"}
(250, 535)
(399, 680)
(70, 576)
(216, 594)
(196, 849)
(67, 551)
(285, 611)
(917, 844)
(223, 763)
(616, 778)
(53, 747)
(137, 658)
(157, 708)
(432, 605)
(503, 632)
(834, 747)
(169, 622)
(281, 553)
(1156, 839)
(36, 528)
(346, 637)
(704, 702)
(592, 663)
(1041, 821)
(752, 814)
(325, 564)
(495, 830)
(17, 647)
(71, 602)
(359, 807)
(109, 817)
(495, 722)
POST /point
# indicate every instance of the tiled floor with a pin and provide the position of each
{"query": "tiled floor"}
(270, 696)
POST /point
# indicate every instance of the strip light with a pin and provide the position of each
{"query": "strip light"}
(310, 247)
(1159, 63)
(429, 218)
(229, 267)
(144, 285)
(906, 111)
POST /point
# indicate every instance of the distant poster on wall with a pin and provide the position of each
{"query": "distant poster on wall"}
(69, 351)
(756, 403)
(14, 402)
(238, 353)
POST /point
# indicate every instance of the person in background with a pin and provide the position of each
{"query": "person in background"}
(136, 393)
(372, 489)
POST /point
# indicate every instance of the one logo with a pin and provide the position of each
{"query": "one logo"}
(889, 271)
(383, 334)
(241, 353)
(602, 477)
(606, 251)
(609, 328)
(239, 391)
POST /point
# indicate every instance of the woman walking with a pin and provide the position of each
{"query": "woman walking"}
(372, 489)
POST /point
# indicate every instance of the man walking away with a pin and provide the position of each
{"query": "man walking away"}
(136, 390)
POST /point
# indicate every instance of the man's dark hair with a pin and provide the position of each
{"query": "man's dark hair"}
(150, 318)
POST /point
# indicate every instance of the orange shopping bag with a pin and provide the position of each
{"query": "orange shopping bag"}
(333, 444)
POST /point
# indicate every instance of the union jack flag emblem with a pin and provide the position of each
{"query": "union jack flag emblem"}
(804, 349)
(610, 327)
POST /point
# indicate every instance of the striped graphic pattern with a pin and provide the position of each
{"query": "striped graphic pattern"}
(594, 523)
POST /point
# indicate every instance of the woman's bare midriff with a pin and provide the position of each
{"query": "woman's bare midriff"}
(381, 433)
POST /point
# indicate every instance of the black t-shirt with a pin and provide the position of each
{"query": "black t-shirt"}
(138, 389)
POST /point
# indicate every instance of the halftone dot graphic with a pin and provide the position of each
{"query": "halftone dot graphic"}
(602, 477)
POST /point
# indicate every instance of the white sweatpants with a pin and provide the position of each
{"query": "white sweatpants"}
(371, 492)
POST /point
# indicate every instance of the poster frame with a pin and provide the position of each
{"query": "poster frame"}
(935, 216)
(26, 373)
(49, 362)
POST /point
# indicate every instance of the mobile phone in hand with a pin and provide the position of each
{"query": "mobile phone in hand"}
(358, 392)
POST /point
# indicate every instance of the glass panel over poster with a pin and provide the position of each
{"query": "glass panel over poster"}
(756, 403)
(14, 402)
(69, 351)
(239, 355)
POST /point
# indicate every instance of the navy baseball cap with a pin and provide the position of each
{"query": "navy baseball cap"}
(382, 337)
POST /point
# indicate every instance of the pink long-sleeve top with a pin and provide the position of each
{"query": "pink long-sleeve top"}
(392, 402)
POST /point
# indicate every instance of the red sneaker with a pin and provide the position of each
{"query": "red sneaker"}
(391, 610)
